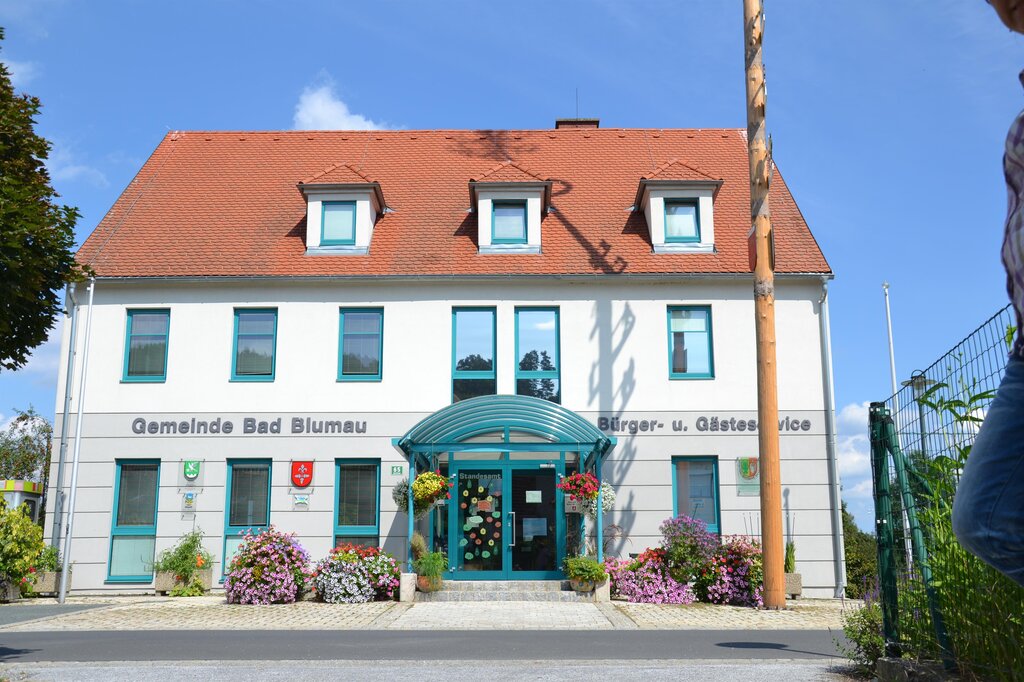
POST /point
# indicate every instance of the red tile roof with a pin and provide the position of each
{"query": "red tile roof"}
(674, 169)
(338, 173)
(225, 203)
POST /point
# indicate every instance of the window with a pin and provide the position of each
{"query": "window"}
(145, 345)
(682, 220)
(338, 223)
(695, 489)
(508, 222)
(473, 338)
(133, 534)
(248, 505)
(357, 520)
(361, 345)
(255, 340)
(537, 361)
(691, 355)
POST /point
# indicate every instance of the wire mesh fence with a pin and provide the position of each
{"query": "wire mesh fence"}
(940, 602)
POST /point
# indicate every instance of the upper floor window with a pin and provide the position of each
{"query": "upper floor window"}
(145, 345)
(361, 344)
(338, 223)
(691, 354)
(508, 222)
(682, 220)
(254, 345)
(537, 353)
(473, 352)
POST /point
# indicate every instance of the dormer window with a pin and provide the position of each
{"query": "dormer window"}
(510, 203)
(342, 209)
(678, 202)
(508, 222)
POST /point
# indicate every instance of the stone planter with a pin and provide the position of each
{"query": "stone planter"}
(166, 580)
(9, 591)
(48, 582)
(429, 583)
(584, 585)
(794, 585)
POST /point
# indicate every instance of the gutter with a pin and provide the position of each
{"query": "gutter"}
(838, 548)
(69, 380)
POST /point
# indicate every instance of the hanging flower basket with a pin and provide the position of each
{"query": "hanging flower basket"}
(582, 487)
(427, 489)
(607, 502)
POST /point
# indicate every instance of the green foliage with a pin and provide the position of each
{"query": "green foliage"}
(789, 563)
(185, 560)
(863, 630)
(25, 446)
(861, 558)
(431, 564)
(418, 546)
(584, 568)
(49, 561)
(36, 233)
(21, 543)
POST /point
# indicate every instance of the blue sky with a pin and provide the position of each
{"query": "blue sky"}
(888, 121)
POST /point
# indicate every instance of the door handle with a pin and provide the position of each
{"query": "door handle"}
(512, 523)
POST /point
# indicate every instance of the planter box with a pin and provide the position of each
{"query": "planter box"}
(9, 592)
(429, 584)
(166, 580)
(49, 582)
(794, 585)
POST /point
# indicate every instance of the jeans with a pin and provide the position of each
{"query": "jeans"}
(988, 512)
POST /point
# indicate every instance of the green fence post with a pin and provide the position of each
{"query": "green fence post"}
(883, 530)
(888, 432)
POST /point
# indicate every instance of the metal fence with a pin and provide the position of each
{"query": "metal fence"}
(938, 601)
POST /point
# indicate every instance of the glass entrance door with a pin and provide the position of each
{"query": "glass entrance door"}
(504, 524)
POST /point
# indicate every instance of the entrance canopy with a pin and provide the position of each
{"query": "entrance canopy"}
(510, 422)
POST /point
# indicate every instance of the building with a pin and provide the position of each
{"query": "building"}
(283, 322)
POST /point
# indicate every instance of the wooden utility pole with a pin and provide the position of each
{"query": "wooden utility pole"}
(764, 309)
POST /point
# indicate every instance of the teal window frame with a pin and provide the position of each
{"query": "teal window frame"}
(696, 215)
(234, 348)
(355, 531)
(710, 374)
(478, 374)
(715, 528)
(131, 531)
(229, 530)
(341, 346)
(323, 214)
(556, 374)
(150, 378)
(519, 203)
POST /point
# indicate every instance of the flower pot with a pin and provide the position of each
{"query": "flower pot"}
(425, 583)
(583, 585)
(166, 581)
(9, 591)
(48, 582)
(794, 585)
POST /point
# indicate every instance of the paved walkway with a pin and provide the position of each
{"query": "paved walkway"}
(212, 613)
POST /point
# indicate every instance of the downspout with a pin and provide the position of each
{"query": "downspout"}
(838, 550)
(77, 453)
(69, 380)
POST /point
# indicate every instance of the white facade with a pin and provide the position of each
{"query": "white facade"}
(614, 372)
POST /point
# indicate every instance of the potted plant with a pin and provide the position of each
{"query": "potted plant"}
(185, 570)
(794, 581)
(584, 573)
(430, 568)
(21, 543)
(48, 570)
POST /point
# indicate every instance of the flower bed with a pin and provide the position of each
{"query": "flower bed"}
(646, 580)
(270, 567)
(352, 574)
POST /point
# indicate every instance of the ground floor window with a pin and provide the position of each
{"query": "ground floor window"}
(133, 533)
(248, 502)
(695, 489)
(357, 502)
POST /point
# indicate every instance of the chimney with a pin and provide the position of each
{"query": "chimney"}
(577, 123)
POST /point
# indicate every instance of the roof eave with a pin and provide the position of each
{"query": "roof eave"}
(374, 187)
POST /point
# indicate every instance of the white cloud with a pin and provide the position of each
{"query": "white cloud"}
(853, 443)
(65, 167)
(549, 325)
(45, 359)
(320, 108)
(859, 490)
(22, 73)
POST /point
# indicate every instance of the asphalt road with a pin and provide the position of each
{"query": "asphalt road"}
(377, 645)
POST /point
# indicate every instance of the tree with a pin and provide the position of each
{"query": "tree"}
(861, 558)
(36, 233)
(539, 388)
(25, 449)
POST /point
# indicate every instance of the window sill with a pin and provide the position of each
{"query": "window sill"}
(251, 380)
(510, 248)
(337, 250)
(136, 580)
(140, 380)
(684, 247)
(691, 377)
(359, 379)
